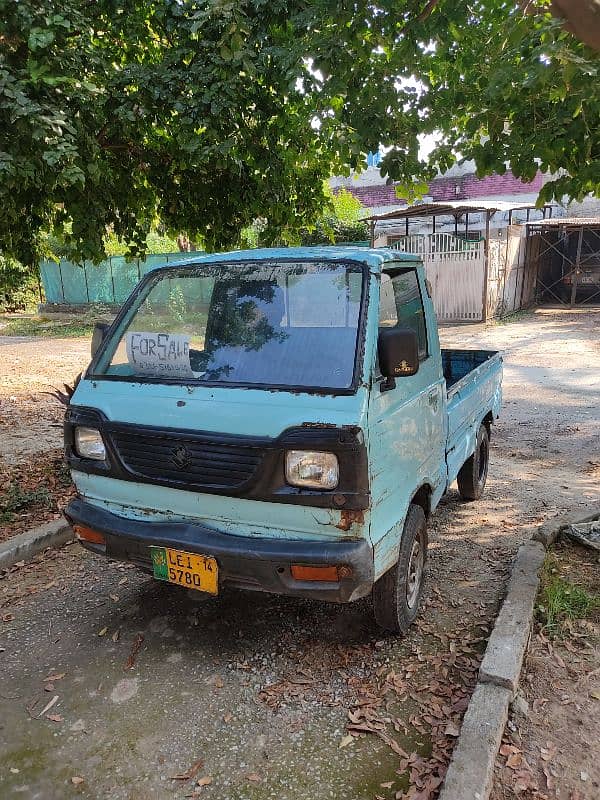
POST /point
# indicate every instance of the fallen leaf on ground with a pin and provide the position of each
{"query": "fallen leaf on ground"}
(508, 749)
(55, 676)
(452, 729)
(346, 741)
(524, 780)
(103, 632)
(206, 781)
(135, 649)
(387, 785)
(116, 634)
(227, 718)
(550, 782)
(48, 706)
(254, 777)
(559, 660)
(76, 780)
(548, 752)
(55, 717)
(514, 761)
(595, 694)
(189, 773)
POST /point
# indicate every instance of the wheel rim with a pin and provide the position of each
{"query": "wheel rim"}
(415, 574)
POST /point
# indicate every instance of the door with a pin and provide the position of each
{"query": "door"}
(407, 424)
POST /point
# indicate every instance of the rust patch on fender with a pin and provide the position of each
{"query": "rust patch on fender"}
(348, 518)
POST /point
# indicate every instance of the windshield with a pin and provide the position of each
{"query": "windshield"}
(280, 324)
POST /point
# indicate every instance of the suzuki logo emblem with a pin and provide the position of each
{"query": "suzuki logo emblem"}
(181, 457)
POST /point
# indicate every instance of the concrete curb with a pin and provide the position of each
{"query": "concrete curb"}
(548, 532)
(28, 544)
(501, 665)
(471, 771)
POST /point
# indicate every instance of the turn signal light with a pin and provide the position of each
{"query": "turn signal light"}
(300, 572)
(88, 534)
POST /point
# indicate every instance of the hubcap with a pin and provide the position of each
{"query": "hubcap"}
(415, 574)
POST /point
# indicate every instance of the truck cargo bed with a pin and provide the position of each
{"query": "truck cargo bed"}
(473, 386)
(458, 363)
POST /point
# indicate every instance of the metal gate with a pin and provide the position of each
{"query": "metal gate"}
(455, 268)
(564, 255)
(507, 272)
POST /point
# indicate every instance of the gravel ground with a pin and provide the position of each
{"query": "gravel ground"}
(261, 690)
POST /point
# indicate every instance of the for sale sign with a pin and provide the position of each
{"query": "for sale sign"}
(164, 355)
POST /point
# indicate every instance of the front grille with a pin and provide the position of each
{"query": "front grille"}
(180, 459)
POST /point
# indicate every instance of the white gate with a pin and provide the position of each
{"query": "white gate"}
(455, 269)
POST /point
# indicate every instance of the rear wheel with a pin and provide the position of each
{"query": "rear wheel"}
(397, 594)
(473, 473)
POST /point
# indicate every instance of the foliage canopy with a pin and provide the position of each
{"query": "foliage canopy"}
(209, 114)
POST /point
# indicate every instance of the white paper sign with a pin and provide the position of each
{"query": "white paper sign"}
(164, 355)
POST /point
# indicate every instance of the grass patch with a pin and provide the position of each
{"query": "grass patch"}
(515, 316)
(42, 326)
(560, 601)
(32, 492)
(16, 499)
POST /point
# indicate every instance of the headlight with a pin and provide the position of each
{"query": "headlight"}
(89, 444)
(311, 470)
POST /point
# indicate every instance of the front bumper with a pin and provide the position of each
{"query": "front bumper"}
(247, 562)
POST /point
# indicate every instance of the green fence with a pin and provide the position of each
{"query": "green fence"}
(111, 281)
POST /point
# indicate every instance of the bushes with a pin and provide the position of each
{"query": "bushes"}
(19, 286)
(334, 231)
(340, 222)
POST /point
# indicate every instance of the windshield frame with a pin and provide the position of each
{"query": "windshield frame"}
(155, 275)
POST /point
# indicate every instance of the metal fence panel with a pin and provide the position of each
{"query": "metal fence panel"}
(51, 281)
(111, 281)
(74, 282)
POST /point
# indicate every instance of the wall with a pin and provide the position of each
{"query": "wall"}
(445, 188)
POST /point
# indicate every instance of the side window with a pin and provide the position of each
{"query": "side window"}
(401, 305)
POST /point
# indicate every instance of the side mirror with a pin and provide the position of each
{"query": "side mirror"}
(398, 351)
(98, 336)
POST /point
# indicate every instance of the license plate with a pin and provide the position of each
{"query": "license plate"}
(588, 279)
(185, 569)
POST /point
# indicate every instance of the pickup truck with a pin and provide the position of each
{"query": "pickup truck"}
(280, 420)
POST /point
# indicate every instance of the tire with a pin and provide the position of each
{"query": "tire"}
(397, 594)
(473, 473)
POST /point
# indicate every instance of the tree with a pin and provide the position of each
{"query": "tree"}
(581, 17)
(116, 113)
(341, 222)
(209, 114)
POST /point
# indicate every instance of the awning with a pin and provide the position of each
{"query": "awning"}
(456, 209)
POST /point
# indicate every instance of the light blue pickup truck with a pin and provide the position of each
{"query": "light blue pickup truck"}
(280, 420)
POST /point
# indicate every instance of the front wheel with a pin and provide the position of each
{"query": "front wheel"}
(473, 473)
(397, 594)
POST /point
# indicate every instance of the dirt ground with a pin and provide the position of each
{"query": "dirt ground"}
(551, 745)
(261, 690)
(30, 420)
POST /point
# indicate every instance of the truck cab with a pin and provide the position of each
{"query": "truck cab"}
(280, 420)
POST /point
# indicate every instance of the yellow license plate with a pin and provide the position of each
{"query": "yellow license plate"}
(185, 569)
